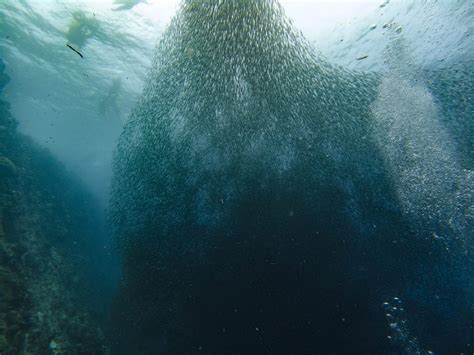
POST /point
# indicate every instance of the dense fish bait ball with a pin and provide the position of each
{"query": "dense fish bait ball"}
(233, 85)
(246, 185)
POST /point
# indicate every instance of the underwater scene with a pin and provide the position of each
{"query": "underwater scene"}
(236, 177)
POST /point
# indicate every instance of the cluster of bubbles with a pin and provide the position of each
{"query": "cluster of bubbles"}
(399, 331)
(433, 183)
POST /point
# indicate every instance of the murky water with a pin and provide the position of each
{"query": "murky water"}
(236, 177)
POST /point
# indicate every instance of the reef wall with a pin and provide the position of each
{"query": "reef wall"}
(253, 206)
(51, 256)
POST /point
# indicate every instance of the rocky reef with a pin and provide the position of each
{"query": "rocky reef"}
(48, 251)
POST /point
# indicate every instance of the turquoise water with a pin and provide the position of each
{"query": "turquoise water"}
(237, 177)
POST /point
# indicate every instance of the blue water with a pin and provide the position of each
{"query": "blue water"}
(237, 177)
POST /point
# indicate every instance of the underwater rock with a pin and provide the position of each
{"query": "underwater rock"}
(7, 168)
(7, 123)
(57, 347)
(6, 120)
(3, 343)
(49, 247)
(4, 78)
(2, 229)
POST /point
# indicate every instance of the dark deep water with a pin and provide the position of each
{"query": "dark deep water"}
(265, 198)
